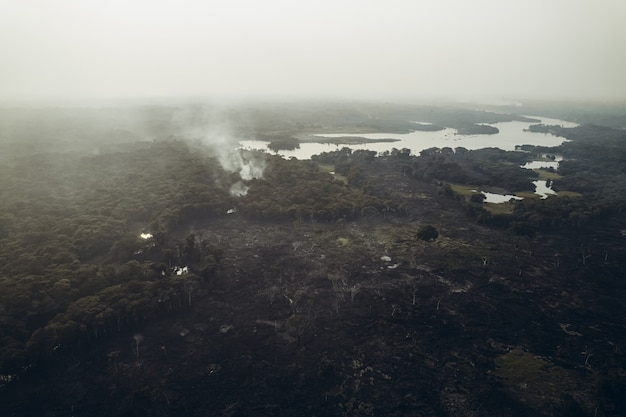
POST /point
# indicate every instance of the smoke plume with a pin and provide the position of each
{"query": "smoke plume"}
(212, 127)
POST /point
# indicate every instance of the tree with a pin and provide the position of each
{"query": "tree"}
(369, 212)
(137, 338)
(478, 198)
(427, 233)
(189, 287)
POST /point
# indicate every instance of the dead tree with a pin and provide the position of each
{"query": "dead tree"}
(113, 355)
(584, 255)
(354, 290)
(138, 338)
(189, 287)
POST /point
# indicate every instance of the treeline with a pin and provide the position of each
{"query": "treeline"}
(73, 265)
(484, 167)
(490, 167)
(594, 165)
(476, 129)
(297, 190)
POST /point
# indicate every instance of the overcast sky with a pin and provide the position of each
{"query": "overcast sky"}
(386, 49)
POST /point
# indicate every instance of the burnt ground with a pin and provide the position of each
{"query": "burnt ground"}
(363, 319)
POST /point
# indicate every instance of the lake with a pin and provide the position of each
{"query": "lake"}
(511, 134)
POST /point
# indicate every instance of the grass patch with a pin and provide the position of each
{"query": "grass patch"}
(572, 194)
(527, 194)
(534, 380)
(464, 190)
(343, 241)
(330, 169)
(499, 208)
(520, 367)
(530, 194)
(326, 168)
(547, 175)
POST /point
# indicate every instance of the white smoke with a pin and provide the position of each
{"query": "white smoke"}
(211, 126)
(239, 189)
(249, 165)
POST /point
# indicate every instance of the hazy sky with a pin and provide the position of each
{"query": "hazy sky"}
(509, 49)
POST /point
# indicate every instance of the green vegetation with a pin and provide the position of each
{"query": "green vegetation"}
(464, 190)
(544, 175)
(284, 144)
(520, 367)
(488, 167)
(73, 264)
(427, 232)
(478, 130)
(504, 208)
(541, 384)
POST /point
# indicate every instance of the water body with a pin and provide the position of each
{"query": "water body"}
(541, 164)
(543, 190)
(511, 134)
(549, 161)
(499, 198)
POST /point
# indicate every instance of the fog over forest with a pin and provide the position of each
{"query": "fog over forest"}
(446, 49)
